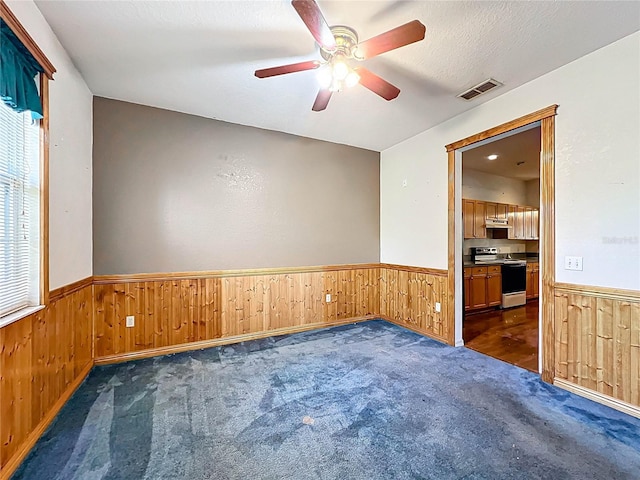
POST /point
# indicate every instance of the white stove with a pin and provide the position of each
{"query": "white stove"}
(514, 274)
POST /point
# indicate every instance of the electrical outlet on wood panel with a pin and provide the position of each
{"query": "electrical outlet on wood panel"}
(438, 307)
(328, 298)
(131, 321)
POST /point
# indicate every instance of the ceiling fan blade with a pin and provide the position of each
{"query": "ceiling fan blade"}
(311, 15)
(398, 37)
(377, 85)
(292, 68)
(322, 100)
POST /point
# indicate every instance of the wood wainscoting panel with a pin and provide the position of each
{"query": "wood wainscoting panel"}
(179, 310)
(598, 340)
(43, 358)
(408, 297)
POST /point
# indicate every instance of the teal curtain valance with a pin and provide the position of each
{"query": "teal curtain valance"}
(18, 70)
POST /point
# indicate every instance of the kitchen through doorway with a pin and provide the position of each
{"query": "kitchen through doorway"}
(501, 245)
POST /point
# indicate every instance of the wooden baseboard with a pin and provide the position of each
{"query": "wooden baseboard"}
(14, 462)
(186, 347)
(413, 329)
(598, 397)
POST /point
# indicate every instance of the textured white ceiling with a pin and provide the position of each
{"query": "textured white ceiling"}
(199, 57)
(511, 150)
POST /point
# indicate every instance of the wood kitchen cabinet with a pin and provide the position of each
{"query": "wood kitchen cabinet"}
(533, 280)
(516, 220)
(478, 288)
(535, 224)
(494, 286)
(499, 211)
(524, 221)
(467, 289)
(474, 215)
(528, 222)
(482, 287)
(531, 228)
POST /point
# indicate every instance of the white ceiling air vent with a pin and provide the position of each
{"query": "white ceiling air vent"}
(479, 89)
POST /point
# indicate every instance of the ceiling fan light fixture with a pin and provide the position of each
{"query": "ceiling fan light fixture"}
(352, 79)
(325, 76)
(340, 70)
(339, 48)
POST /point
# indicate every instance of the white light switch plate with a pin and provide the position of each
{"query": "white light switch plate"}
(328, 297)
(437, 307)
(131, 321)
(573, 263)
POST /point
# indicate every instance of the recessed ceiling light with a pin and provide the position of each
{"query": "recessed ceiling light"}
(492, 157)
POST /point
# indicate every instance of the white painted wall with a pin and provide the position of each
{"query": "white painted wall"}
(597, 169)
(71, 117)
(493, 188)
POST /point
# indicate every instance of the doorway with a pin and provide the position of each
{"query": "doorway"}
(500, 246)
(546, 273)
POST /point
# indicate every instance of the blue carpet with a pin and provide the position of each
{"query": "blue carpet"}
(365, 401)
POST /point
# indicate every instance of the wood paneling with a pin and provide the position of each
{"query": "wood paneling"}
(598, 341)
(43, 357)
(408, 298)
(179, 310)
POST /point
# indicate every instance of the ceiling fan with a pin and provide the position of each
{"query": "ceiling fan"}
(339, 48)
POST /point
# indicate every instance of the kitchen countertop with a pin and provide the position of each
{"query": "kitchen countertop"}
(528, 260)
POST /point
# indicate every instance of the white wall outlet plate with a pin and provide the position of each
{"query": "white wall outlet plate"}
(573, 263)
(328, 298)
(131, 321)
(438, 307)
(404, 182)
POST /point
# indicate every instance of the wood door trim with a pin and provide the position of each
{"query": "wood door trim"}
(547, 207)
(451, 250)
(21, 33)
(548, 237)
(505, 127)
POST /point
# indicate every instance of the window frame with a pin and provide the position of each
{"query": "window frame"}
(20, 32)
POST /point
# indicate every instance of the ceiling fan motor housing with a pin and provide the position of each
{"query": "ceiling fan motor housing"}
(346, 41)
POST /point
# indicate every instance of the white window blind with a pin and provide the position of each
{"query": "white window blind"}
(19, 211)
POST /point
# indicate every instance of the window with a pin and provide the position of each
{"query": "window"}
(24, 164)
(19, 210)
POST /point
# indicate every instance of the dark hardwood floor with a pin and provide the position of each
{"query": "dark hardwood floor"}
(509, 335)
